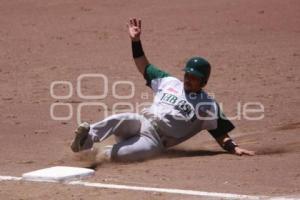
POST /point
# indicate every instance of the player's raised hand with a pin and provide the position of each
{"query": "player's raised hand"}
(134, 28)
(239, 151)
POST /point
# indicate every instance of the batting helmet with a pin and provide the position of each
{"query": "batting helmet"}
(199, 67)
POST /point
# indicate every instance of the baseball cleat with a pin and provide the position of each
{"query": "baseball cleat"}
(81, 134)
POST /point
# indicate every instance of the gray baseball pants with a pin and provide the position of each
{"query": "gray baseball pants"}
(136, 137)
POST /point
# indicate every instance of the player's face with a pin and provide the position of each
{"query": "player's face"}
(192, 83)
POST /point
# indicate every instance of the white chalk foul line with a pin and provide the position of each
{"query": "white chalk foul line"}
(162, 190)
(10, 178)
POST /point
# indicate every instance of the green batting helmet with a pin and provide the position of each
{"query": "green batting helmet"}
(199, 67)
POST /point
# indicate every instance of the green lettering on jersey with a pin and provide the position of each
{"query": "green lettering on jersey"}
(170, 98)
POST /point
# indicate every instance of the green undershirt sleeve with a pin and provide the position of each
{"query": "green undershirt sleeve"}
(152, 72)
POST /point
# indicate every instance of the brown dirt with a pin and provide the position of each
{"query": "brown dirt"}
(253, 46)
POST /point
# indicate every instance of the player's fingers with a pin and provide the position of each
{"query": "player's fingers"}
(251, 153)
(248, 153)
(140, 23)
(135, 22)
(130, 22)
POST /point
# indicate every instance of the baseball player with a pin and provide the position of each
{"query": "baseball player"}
(179, 111)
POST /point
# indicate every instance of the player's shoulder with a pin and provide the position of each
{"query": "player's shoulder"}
(170, 81)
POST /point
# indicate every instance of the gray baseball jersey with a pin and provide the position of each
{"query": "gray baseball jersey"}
(176, 114)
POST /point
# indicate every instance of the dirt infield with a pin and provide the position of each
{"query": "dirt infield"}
(253, 45)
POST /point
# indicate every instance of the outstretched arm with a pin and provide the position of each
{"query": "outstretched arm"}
(135, 29)
(224, 126)
(227, 143)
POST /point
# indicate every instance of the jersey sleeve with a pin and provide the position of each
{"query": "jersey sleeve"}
(224, 125)
(154, 76)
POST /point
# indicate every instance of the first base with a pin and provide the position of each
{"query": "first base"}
(58, 174)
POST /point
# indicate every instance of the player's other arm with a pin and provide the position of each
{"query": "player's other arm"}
(134, 29)
(229, 145)
(224, 126)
